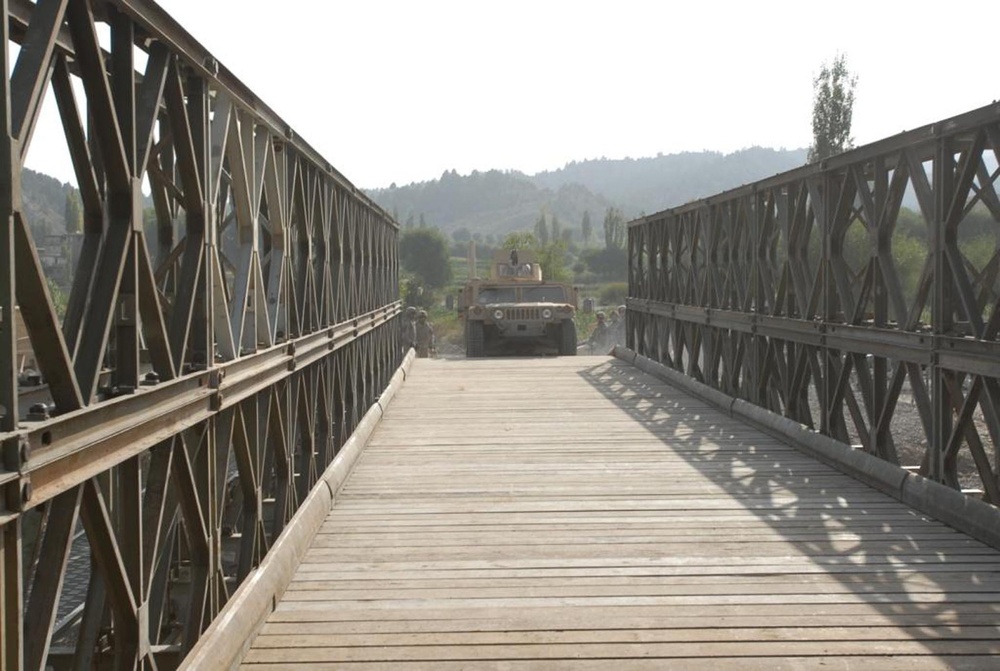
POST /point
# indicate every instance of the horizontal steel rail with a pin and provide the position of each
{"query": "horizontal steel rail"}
(231, 318)
(858, 297)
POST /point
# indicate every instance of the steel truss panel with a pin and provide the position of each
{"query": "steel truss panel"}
(816, 295)
(232, 315)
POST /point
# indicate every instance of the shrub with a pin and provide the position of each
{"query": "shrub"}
(614, 293)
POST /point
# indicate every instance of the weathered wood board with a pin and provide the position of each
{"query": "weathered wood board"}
(575, 513)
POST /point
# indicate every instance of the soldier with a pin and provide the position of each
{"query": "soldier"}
(408, 329)
(598, 340)
(424, 336)
(620, 335)
(614, 329)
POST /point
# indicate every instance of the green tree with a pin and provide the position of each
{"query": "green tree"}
(555, 229)
(909, 255)
(586, 228)
(609, 264)
(519, 240)
(833, 104)
(614, 229)
(424, 252)
(614, 293)
(542, 230)
(59, 297)
(552, 258)
(73, 213)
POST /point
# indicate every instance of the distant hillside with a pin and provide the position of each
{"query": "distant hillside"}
(492, 202)
(43, 201)
(648, 185)
(496, 202)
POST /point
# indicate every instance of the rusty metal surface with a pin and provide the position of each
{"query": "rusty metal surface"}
(230, 320)
(858, 297)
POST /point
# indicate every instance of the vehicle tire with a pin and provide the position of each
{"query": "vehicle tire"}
(475, 341)
(567, 338)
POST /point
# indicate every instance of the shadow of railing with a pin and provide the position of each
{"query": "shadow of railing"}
(915, 571)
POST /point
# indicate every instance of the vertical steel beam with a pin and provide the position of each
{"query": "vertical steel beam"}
(11, 596)
(125, 205)
(202, 334)
(10, 178)
(11, 581)
(942, 309)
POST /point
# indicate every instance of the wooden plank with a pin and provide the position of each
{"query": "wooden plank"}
(987, 621)
(984, 570)
(490, 654)
(573, 512)
(636, 635)
(707, 584)
(824, 663)
(597, 616)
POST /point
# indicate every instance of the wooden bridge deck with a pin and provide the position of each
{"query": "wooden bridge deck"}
(575, 513)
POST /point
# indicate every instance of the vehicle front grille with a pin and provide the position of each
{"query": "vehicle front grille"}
(522, 314)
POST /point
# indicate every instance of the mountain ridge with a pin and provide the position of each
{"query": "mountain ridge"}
(499, 202)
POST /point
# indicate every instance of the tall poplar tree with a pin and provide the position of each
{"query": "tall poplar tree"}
(72, 213)
(542, 230)
(614, 229)
(833, 105)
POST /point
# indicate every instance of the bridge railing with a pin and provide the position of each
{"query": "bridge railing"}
(230, 317)
(858, 296)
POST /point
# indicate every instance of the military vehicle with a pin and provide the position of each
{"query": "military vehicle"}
(515, 311)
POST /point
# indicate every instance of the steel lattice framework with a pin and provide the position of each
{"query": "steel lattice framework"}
(801, 294)
(211, 360)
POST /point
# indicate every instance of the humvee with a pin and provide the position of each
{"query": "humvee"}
(516, 311)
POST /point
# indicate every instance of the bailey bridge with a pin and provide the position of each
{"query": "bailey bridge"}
(216, 453)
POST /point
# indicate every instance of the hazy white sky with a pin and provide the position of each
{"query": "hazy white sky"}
(400, 91)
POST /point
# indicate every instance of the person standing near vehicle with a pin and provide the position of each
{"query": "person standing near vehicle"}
(598, 340)
(424, 336)
(614, 329)
(408, 329)
(620, 326)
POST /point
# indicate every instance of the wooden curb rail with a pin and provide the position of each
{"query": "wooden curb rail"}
(227, 639)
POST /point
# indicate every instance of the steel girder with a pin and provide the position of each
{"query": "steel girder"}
(801, 294)
(216, 350)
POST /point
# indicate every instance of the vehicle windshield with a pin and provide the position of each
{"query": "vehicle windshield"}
(496, 295)
(543, 295)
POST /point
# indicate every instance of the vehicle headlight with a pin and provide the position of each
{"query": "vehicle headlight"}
(546, 314)
(498, 314)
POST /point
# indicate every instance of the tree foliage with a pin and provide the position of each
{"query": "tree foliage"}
(519, 240)
(553, 258)
(607, 264)
(542, 229)
(73, 212)
(424, 252)
(586, 228)
(833, 105)
(614, 229)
